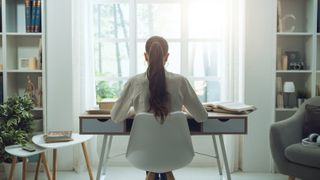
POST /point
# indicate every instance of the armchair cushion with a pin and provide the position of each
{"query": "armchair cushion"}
(300, 154)
(311, 123)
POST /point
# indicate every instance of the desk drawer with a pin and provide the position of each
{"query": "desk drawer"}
(100, 126)
(232, 126)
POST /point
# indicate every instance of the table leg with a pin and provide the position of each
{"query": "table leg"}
(54, 171)
(24, 168)
(46, 166)
(38, 167)
(103, 149)
(217, 153)
(107, 156)
(13, 166)
(225, 160)
(84, 149)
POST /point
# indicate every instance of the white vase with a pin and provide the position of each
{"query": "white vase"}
(17, 170)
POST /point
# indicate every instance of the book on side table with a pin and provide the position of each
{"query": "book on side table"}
(58, 136)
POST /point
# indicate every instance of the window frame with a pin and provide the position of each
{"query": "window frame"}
(184, 41)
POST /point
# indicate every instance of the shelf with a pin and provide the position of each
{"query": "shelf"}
(24, 71)
(294, 34)
(286, 109)
(294, 71)
(23, 34)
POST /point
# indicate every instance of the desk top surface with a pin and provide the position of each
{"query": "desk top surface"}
(210, 115)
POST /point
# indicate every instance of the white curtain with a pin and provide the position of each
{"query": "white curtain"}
(235, 76)
(83, 74)
(84, 84)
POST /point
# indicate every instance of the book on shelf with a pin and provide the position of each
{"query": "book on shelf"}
(58, 136)
(39, 63)
(284, 62)
(39, 92)
(279, 16)
(280, 100)
(279, 60)
(279, 84)
(229, 107)
(27, 4)
(33, 14)
(0, 17)
(37, 23)
(318, 18)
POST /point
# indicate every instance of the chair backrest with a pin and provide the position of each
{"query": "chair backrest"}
(159, 147)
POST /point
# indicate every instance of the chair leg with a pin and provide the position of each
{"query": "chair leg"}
(291, 178)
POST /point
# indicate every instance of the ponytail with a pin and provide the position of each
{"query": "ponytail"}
(157, 48)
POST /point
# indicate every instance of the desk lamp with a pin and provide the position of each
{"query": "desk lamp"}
(288, 88)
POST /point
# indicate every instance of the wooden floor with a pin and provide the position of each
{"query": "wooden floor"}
(189, 173)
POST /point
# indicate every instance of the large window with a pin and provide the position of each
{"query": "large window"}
(195, 29)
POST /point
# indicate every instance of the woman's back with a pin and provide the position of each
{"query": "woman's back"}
(136, 93)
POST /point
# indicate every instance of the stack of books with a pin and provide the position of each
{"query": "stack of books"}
(58, 136)
(229, 107)
(33, 15)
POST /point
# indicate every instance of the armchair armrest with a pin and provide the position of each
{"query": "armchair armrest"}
(283, 134)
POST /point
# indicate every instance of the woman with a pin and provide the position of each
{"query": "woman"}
(157, 91)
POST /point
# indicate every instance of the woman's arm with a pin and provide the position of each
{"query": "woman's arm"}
(122, 106)
(192, 103)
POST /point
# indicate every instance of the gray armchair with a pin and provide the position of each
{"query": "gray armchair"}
(290, 156)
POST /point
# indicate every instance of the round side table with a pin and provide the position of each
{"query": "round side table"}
(77, 139)
(17, 151)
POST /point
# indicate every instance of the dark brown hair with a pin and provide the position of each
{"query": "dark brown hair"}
(157, 48)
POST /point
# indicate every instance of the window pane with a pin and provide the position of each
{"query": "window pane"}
(207, 91)
(206, 18)
(111, 59)
(205, 59)
(108, 89)
(173, 63)
(111, 20)
(158, 19)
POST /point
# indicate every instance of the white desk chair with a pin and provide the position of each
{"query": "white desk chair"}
(159, 147)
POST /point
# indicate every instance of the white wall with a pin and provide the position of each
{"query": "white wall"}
(259, 57)
(59, 73)
(259, 82)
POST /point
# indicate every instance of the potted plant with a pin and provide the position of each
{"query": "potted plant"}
(16, 121)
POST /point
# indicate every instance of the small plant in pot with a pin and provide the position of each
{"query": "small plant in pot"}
(16, 124)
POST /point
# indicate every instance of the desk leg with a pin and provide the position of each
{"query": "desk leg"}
(225, 160)
(24, 168)
(107, 156)
(84, 149)
(54, 171)
(46, 167)
(217, 153)
(103, 149)
(13, 166)
(38, 167)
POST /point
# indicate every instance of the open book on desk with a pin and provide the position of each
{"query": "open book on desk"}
(229, 107)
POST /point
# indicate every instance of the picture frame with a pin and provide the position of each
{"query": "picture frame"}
(23, 63)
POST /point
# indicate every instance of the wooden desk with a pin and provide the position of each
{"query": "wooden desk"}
(217, 124)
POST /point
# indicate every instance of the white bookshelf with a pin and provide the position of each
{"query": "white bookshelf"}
(298, 34)
(18, 44)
